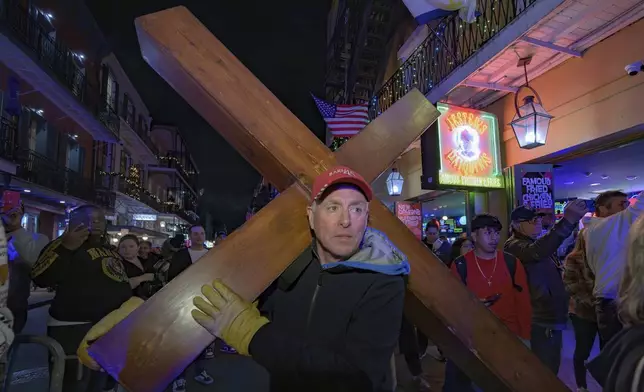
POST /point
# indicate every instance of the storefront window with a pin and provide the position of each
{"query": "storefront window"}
(29, 222)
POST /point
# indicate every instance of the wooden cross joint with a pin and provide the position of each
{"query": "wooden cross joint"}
(151, 347)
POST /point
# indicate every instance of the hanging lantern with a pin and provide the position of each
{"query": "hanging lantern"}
(395, 183)
(531, 121)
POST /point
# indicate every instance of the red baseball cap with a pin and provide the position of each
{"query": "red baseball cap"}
(340, 175)
(10, 201)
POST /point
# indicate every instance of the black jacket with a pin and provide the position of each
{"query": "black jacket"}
(333, 328)
(90, 281)
(539, 257)
(146, 289)
(444, 253)
(620, 365)
(181, 260)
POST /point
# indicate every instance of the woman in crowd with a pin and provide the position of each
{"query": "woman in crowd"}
(460, 246)
(579, 282)
(620, 365)
(141, 276)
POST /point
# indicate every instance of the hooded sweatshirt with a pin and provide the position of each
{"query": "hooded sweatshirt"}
(334, 326)
(620, 365)
(606, 248)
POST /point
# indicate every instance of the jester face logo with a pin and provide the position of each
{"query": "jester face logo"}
(467, 143)
(466, 156)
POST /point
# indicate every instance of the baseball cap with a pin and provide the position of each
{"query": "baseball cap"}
(486, 220)
(524, 214)
(340, 175)
(10, 201)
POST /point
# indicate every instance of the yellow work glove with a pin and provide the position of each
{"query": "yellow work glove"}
(228, 316)
(103, 327)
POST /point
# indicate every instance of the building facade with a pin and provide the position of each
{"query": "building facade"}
(573, 53)
(73, 130)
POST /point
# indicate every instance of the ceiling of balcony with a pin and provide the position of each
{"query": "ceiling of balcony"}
(569, 30)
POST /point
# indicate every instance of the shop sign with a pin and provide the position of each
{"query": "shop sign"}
(411, 215)
(468, 150)
(536, 190)
(144, 217)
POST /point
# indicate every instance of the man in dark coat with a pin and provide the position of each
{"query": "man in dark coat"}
(330, 322)
(548, 295)
(441, 248)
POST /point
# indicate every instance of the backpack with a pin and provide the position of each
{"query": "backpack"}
(510, 262)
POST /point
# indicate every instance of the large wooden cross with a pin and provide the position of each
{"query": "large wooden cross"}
(150, 348)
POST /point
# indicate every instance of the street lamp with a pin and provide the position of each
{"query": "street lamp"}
(531, 121)
(395, 183)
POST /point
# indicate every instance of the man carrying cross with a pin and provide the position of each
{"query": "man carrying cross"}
(330, 322)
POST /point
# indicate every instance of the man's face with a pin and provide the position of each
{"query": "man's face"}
(11, 219)
(613, 206)
(197, 235)
(432, 234)
(96, 222)
(486, 239)
(144, 249)
(532, 228)
(339, 221)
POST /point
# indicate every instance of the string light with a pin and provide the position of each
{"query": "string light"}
(338, 142)
(134, 190)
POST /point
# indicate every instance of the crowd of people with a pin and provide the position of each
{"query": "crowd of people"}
(535, 287)
(333, 319)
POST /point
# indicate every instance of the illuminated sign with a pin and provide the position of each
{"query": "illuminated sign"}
(144, 217)
(469, 148)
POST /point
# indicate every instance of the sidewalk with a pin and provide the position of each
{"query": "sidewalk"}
(32, 375)
(435, 370)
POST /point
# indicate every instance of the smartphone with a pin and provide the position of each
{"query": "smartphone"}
(491, 300)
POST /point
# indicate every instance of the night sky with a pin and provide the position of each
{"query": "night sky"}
(282, 42)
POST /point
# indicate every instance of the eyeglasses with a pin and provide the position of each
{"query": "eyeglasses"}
(535, 220)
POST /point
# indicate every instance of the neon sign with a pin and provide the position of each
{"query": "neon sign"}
(469, 148)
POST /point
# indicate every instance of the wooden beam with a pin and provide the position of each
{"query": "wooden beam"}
(160, 339)
(230, 98)
(490, 86)
(455, 320)
(551, 46)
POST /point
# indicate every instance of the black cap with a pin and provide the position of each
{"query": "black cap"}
(486, 220)
(524, 214)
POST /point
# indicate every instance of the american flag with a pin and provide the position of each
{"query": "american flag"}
(343, 120)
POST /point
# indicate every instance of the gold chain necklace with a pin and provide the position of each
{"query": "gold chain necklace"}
(489, 280)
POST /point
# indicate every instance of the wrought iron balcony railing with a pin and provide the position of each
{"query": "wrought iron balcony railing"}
(8, 139)
(129, 187)
(450, 44)
(188, 216)
(43, 171)
(60, 61)
(177, 160)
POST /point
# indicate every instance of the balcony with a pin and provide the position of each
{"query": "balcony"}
(130, 187)
(135, 136)
(45, 172)
(454, 49)
(181, 203)
(188, 216)
(178, 161)
(8, 141)
(48, 65)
